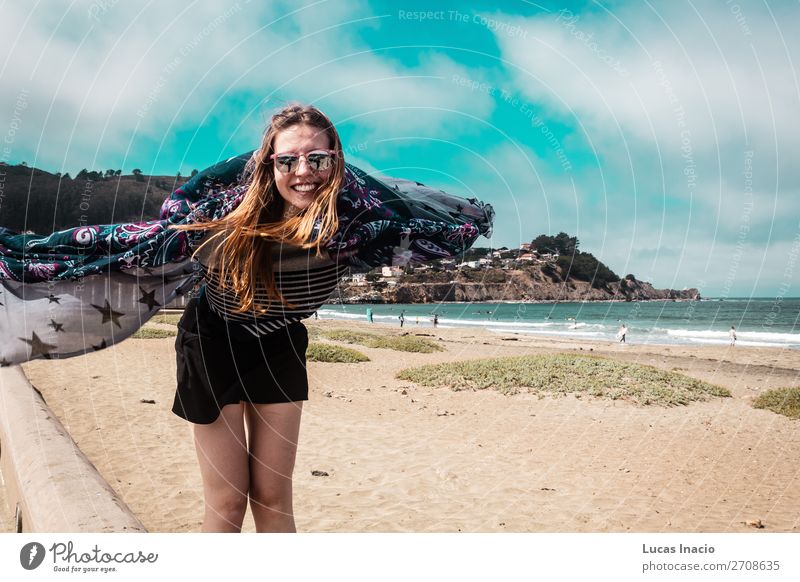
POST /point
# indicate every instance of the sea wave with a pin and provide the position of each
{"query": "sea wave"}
(646, 332)
(753, 336)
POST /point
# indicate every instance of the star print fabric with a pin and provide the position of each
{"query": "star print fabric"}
(89, 287)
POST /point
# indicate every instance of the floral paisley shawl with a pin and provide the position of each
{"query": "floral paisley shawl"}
(86, 288)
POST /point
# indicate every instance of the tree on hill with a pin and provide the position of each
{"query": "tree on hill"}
(572, 262)
(474, 254)
(561, 244)
(137, 173)
(585, 267)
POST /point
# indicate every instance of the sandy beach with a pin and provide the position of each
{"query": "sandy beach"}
(401, 457)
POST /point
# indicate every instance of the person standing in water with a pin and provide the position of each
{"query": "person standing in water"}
(732, 335)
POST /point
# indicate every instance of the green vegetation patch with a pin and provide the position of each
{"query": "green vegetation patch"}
(314, 332)
(402, 343)
(154, 333)
(169, 318)
(785, 401)
(561, 374)
(319, 352)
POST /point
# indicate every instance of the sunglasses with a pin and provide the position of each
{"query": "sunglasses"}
(317, 160)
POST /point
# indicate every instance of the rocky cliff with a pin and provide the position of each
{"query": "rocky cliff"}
(530, 284)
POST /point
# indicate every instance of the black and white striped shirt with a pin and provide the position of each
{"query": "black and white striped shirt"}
(305, 281)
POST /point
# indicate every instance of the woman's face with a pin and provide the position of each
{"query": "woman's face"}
(301, 186)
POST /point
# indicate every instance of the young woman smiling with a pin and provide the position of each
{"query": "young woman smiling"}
(241, 345)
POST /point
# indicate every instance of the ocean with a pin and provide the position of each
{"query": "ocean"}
(763, 322)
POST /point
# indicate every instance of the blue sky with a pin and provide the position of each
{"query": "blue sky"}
(663, 134)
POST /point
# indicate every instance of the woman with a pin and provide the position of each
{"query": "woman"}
(241, 346)
(270, 232)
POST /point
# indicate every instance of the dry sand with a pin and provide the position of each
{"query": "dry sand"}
(400, 457)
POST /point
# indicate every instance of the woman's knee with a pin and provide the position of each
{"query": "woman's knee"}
(229, 504)
(275, 496)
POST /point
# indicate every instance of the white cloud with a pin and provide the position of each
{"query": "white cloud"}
(674, 98)
(727, 83)
(99, 77)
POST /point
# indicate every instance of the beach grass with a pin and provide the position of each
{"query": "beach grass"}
(154, 333)
(561, 374)
(169, 318)
(314, 332)
(322, 352)
(401, 343)
(785, 401)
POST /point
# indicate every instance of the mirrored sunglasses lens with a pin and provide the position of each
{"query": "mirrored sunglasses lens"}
(320, 161)
(286, 163)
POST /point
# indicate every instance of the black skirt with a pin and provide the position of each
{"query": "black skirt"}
(217, 367)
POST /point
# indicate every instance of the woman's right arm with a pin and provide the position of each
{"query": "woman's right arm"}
(204, 185)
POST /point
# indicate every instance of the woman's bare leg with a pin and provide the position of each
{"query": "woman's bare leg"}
(273, 430)
(224, 466)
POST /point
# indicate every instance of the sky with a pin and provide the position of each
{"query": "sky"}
(664, 135)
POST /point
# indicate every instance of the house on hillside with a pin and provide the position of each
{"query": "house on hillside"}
(391, 272)
(358, 279)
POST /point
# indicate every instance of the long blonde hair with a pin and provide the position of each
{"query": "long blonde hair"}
(249, 233)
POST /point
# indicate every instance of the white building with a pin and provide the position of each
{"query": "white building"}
(391, 271)
(359, 279)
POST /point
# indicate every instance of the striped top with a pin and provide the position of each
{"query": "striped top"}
(305, 280)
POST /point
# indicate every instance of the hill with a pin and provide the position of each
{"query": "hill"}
(38, 201)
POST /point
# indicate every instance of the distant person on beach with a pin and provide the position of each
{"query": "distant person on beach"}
(369, 315)
(623, 331)
(732, 335)
(435, 319)
(402, 319)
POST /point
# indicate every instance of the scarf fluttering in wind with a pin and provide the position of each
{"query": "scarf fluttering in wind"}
(89, 287)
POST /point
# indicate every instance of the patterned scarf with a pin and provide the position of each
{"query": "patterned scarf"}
(89, 287)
